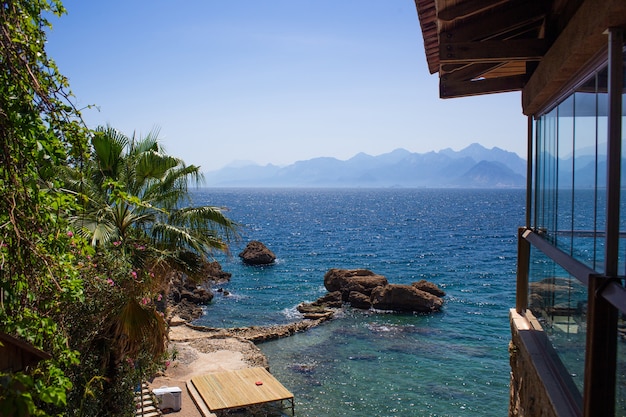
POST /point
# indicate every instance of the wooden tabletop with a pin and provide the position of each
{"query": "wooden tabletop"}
(240, 388)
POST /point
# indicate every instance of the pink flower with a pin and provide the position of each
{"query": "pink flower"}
(144, 301)
(117, 243)
(134, 274)
(167, 363)
(70, 233)
(110, 282)
(159, 297)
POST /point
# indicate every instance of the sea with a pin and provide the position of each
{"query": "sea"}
(367, 363)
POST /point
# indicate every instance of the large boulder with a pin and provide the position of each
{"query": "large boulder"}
(348, 280)
(397, 297)
(330, 300)
(429, 287)
(214, 272)
(186, 311)
(198, 295)
(256, 253)
(359, 300)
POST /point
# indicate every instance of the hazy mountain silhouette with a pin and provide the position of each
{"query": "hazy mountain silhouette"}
(472, 167)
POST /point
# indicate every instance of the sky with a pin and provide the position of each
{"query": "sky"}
(270, 81)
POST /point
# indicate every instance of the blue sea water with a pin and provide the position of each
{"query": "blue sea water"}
(452, 363)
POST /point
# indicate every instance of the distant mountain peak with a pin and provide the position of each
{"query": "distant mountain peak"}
(473, 166)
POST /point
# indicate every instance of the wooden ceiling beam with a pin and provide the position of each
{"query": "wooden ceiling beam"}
(469, 72)
(453, 89)
(496, 24)
(577, 45)
(492, 51)
(466, 8)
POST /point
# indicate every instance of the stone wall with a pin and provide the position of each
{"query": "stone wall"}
(537, 386)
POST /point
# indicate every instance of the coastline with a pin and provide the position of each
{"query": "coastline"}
(198, 350)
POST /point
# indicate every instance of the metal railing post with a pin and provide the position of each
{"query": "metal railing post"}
(523, 262)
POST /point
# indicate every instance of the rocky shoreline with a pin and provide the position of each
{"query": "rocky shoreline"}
(359, 288)
(197, 350)
(259, 334)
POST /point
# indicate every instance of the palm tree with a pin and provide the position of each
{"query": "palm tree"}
(135, 189)
(137, 207)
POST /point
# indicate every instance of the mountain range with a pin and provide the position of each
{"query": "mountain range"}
(472, 167)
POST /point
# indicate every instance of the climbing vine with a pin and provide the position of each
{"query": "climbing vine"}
(39, 131)
(88, 302)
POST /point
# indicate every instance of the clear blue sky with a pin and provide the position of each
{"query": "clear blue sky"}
(270, 81)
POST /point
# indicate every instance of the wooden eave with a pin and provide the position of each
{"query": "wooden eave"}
(17, 355)
(24, 346)
(534, 46)
(580, 41)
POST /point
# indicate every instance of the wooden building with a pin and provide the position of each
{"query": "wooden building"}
(17, 355)
(568, 354)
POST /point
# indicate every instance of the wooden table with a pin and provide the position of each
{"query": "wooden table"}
(240, 388)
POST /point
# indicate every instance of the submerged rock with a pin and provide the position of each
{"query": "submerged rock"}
(256, 253)
(303, 368)
(314, 312)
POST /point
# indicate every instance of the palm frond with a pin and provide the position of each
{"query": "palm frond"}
(135, 329)
(170, 190)
(206, 218)
(150, 142)
(175, 237)
(108, 145)
(96, 226)
(153, 165)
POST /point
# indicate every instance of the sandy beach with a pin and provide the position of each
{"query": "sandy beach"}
(200, 350)
(197, 353)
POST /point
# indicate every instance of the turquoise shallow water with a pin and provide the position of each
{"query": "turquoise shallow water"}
(453, 363)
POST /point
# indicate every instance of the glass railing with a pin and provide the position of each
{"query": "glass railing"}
(559, 302)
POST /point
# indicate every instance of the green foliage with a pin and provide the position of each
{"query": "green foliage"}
(134, 190)
(90, 224)
(39, 130)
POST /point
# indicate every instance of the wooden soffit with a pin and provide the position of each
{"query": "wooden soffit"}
(534, 46)
(577, 44)
(482, 46)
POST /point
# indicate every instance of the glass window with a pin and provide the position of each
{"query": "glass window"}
(570, 173)
(559, 302)
(569, 210)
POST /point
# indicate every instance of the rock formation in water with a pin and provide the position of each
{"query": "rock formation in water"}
(185, 296)
(256, 253)
(347, 280)
(399, 297)
(364, 289)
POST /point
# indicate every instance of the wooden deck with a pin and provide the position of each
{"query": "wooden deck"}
(241, 388)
